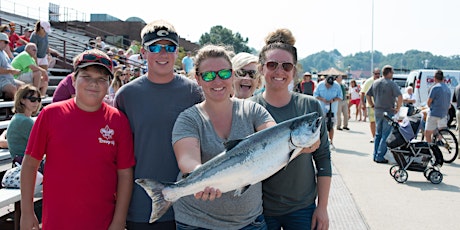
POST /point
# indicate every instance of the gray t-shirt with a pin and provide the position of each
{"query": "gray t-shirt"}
(385, 91)
(440, 95)
(294, 187)
(228, 211)
(42, 44)
(152, 110)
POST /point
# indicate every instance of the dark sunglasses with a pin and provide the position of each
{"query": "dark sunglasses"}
(157, 48)
(242, 73)
(33, 99)
(272, 65)
(88, 58)
(224, 74)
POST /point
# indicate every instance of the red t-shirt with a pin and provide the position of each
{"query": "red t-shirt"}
(83, 152)
(14, 37)
(23, 37)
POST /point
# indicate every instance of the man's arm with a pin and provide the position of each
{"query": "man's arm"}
(38, 68)
(430, 100)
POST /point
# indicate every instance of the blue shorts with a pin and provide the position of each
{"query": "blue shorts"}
(300, 219)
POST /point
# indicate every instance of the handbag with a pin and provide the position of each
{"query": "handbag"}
(12, 177)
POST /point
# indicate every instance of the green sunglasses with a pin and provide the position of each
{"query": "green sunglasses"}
(224, 74)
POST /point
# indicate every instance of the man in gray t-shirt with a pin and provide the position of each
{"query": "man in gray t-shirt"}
(152, 103)
(439, 103)
(382, 97)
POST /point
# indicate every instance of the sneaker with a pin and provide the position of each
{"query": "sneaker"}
(384, 161)
(339, 129)
(346, 128)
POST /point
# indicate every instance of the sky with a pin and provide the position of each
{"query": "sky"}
(350, 26)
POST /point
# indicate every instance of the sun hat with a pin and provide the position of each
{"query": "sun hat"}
(4, 37)
(330, 80)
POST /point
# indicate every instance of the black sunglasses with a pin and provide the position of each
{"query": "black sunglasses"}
(242, 73)
(34, 99)
(273, 65)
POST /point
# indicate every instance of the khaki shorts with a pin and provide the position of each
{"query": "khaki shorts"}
(371, 114)
(26, 77)
(435, 122)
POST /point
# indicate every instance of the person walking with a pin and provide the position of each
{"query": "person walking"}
(297, 196)
(382, 96)
(329, 94)
(365, 105)
(152, 103)
(89, 154)
(354, 100)
(342, 107)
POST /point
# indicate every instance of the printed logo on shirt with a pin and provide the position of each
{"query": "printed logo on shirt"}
(107, 133)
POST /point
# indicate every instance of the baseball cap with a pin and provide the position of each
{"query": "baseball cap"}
(307, 74)
(93, 57)
(46, 26)
(30, 29)
(330, 80)
(4, 37)
(158, 35)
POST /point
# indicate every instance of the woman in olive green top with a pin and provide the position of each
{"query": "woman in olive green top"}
(27, 102)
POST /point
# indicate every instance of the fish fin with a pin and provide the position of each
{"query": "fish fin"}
(154, 190)
(241, 190)
(230, 144)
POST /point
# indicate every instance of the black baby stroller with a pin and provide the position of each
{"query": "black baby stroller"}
(410, 154)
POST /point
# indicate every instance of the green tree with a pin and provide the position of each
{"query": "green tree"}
(219, 35)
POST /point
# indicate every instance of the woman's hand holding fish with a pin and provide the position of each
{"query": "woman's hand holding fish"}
(209, 193)
(312, 148)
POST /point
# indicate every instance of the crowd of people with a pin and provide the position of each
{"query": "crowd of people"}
(128, 124)
(25, 59)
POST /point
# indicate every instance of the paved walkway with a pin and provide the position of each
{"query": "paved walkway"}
(365, 196)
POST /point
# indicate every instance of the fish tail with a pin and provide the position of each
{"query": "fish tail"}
(154, 190)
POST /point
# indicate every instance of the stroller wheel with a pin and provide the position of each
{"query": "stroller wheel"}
(393, 170)
(427, 172)
(401, 175)
(435, 177)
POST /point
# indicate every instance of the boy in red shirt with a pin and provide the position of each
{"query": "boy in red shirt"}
(89, 156)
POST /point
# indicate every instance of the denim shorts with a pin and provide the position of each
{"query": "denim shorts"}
(257, 224)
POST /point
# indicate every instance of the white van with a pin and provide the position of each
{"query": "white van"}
(423, 79)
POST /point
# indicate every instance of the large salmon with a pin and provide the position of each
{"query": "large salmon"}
(245, 162)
